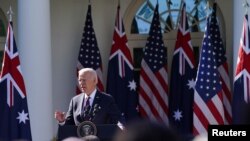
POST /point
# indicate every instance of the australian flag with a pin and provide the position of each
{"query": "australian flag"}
(120, 82)
(14, 119)
(182, 81)
(241, 94)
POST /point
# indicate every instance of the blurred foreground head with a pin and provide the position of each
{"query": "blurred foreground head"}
(72, 139)
(91, 138)
(144, 130)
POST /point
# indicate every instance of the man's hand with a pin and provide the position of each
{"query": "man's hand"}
(60, 116)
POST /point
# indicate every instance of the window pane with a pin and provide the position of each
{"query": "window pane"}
(169, 11)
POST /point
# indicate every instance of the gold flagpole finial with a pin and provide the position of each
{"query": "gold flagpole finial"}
(10, 13)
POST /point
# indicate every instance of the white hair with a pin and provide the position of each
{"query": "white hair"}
(88, 70)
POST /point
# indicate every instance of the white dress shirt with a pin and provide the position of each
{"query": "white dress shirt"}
(91, 100)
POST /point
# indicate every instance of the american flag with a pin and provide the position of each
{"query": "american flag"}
(153, 91)
(14, 119)
(212, 98)
(182, 81)
(242, 77)
(120, 81)
(89, 54)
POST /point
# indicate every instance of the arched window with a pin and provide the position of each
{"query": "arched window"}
(139, 16)
(170, 12)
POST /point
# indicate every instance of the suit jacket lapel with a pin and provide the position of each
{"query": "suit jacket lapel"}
(81, 103)
(97, 98)
(96, 104)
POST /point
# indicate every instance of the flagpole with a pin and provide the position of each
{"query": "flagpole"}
(10, 13)
(207, 9)
(246, 5)
(182, 3)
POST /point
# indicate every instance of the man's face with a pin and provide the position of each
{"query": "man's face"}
(87, 82)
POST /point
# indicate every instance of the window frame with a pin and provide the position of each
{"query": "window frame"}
(169, 38)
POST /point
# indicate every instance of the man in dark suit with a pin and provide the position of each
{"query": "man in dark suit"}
(91, 105)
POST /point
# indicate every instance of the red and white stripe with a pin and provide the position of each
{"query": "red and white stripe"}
(153, 96)
(226, 92)
(206, 113)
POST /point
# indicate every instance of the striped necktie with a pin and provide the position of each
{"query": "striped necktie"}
(86, 109)
(87, 105)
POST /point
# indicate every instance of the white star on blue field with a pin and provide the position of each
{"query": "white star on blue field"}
(177, 115)
(22, 117)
